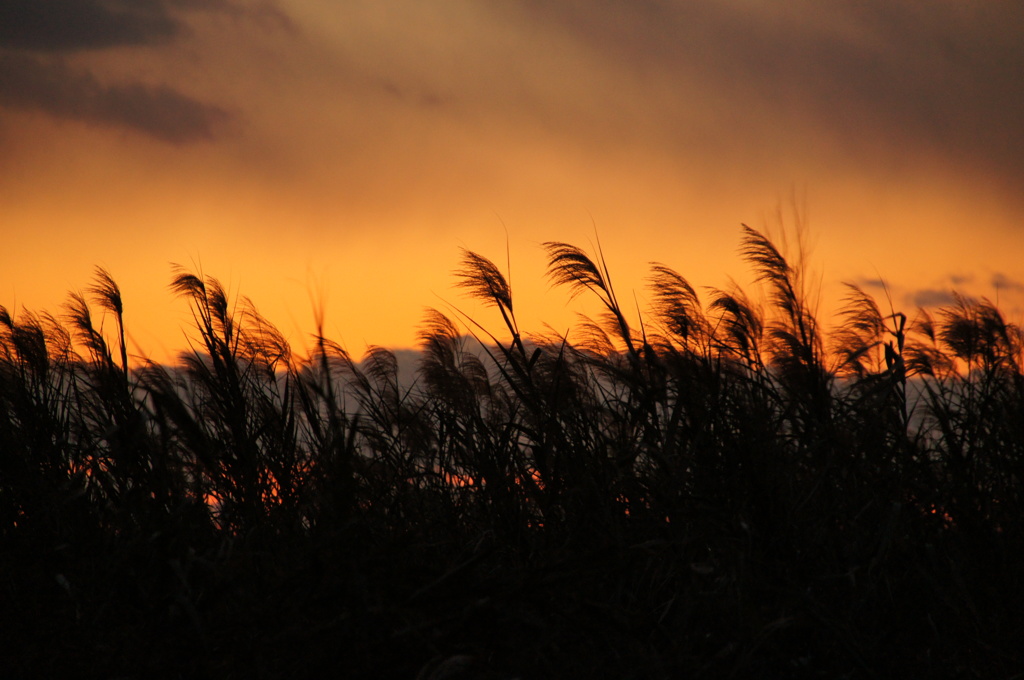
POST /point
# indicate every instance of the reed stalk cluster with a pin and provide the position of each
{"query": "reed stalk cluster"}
(721, 490)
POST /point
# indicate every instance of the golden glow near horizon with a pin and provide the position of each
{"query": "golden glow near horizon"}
(343, 152)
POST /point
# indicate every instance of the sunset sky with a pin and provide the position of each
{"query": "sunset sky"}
(342, 152)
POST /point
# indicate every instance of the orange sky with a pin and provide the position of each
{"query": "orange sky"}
(298, 147)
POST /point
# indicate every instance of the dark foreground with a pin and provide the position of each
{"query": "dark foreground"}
(355, 604)
(724, 492)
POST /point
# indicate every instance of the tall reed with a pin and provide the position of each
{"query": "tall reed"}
(708, 486)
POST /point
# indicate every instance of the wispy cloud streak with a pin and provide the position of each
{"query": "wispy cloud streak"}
(38, 37)
(60, 90)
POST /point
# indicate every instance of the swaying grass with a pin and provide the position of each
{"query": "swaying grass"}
(722, 491)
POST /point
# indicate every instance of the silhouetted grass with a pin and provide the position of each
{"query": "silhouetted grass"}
(722, 490)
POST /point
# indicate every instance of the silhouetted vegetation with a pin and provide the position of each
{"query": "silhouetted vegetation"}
(722, 490)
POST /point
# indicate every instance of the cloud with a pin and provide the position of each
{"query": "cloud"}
(421, 97)
(889, 79)
(931, 297)
(158, 111)
(938, 297)
(1001, 281)
(69, 25)
(39, 37)
(865, 282)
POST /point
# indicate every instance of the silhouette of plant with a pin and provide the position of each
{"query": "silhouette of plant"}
(717, 488)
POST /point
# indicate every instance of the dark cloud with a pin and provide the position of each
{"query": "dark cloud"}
(52, 86)
(900, 78)
(35, 36)
(75, 25)
(1001, 281)
(69, 25)
(931, 297)
(872, 283)
(422, 97)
